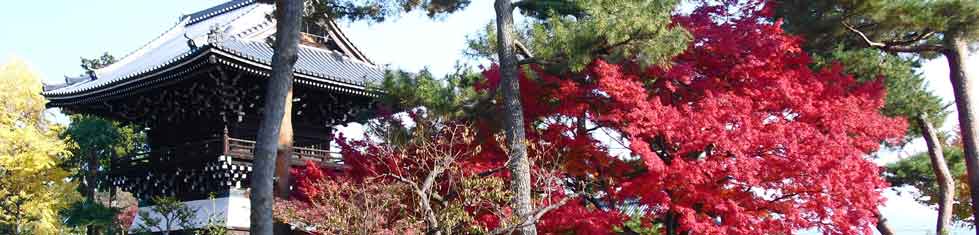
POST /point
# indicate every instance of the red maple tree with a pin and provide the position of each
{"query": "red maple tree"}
(736, 136)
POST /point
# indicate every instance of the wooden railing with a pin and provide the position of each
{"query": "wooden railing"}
(245, 150)
(240, 150)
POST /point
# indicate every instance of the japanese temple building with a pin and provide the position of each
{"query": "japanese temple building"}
(198, 87)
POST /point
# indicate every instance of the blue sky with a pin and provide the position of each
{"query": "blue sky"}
(52, 35)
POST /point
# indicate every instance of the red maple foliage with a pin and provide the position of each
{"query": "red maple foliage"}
(124, 219)
(736, 136)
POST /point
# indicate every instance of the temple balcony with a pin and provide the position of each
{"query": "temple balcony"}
(196, 169)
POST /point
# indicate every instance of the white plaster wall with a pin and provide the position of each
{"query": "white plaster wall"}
(234, 210)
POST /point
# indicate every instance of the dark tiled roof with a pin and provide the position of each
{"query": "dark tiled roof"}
(216, 10)
(312, 61)
(245, 25)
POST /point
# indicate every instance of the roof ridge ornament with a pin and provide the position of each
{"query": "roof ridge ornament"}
(190, 42)
(215, 35)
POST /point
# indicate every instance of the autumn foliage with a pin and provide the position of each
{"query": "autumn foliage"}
(737, 135)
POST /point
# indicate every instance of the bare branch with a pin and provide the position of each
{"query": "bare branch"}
(864, 36)
(914, 49)
(492, 171)
(411, 183)
(917, 38)
(523, 50)
(530, 61)
(535, 216)
(430, 179)
(898, 46)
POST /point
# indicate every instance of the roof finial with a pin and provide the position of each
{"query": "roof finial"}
(190, 42)
(215, 34)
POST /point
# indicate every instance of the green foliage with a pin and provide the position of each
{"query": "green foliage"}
(450, 96)
(613, 30)
(916, 172)
(215, 223)
(168, 214)
(213, 227)
(90, 65)
(94, 141)
(479, 193)
(635, 225)
(482, 45)
(958, 17)
(543, 9)
(567, 35)
(87, 212)
(93, 134)
(821, 22)
(442, 99)
(906, 93)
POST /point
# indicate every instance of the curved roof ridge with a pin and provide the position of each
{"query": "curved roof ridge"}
(241, 20)
(344, 55)
(342, 36)
(217, 10)
(142, 49)
(251, 31)
(183, 22)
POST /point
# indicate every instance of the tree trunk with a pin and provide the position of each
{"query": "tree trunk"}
(882, 226)
(670, 224)
(946, 189)
(513, 116)
(166, 230)
(284, 151)
(283, 159)
(90, 185)
(431, 220)
(288, 15)
(18, 220)
(93, 167)
(955, 51)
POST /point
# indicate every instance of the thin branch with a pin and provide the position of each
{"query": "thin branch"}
(535, 216)
(783, 197)
(492, 171)
(413, 185)
(498, 169)
(438, 198)
(523, 50)
(530, 61)
(897, 47)
(430, 179)
(914, 49)
(864, 36)
(919, 37)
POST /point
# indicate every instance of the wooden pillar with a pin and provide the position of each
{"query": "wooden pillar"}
(225, 142)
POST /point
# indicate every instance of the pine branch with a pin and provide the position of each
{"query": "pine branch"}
(896, 46)
(917, 38)
(523, 50)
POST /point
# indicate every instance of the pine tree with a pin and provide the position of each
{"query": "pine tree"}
(922, 29)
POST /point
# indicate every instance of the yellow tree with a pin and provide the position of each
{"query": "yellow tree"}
(33, 186)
